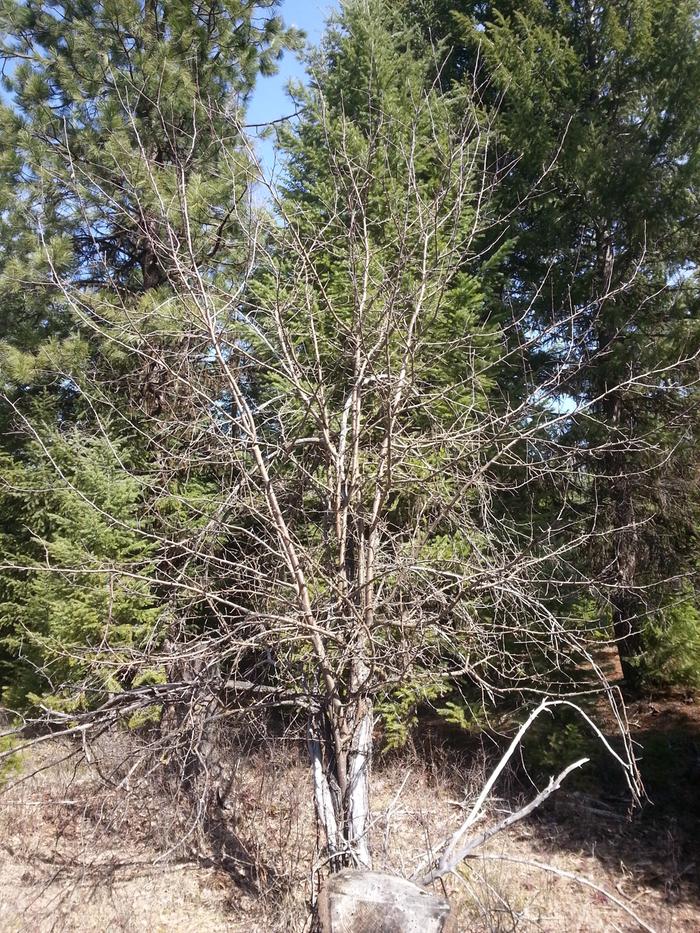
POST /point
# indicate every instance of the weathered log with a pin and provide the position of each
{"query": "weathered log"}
(371, 902)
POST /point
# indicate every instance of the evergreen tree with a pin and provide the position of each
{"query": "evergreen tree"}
(598, 125)
(82, 604)
(119, 121)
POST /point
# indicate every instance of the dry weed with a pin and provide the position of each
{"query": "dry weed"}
(79, 852)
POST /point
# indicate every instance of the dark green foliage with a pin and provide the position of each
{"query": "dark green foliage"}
(598, 131)
(118, 122)
(106, 100)
(672, 644)
(122, 126)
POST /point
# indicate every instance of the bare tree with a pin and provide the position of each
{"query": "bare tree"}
(353, 537)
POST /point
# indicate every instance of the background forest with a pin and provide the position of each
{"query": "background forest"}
(393, 446)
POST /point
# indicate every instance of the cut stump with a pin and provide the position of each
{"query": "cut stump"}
(371, 902)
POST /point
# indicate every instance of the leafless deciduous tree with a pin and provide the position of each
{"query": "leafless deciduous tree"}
(317, 374)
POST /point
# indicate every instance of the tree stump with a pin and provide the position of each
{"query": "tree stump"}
(370, 902)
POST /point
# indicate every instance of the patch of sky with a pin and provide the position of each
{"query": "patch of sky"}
(682, 274)
(270, 101)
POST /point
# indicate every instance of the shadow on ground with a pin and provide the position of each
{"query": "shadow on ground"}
(658, 843)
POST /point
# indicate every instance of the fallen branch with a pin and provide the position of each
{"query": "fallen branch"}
(453, 852)
(448, 864)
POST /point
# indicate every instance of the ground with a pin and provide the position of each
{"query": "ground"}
(80, 852)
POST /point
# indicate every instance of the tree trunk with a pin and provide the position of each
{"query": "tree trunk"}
(627, 611)
(342, 786)
(628, 637)
(626, 618)
(357, 792)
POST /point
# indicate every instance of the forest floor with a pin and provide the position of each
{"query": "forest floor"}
(77, 854)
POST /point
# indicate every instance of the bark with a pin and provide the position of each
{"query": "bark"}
(357, 794)
(342, 787)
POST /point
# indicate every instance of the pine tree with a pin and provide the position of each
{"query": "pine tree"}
(118, 121)
(597, 105)
(102, 98)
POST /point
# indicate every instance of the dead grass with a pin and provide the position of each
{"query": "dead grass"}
(77, 854)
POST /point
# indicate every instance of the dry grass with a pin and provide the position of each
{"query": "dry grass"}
(77, 854)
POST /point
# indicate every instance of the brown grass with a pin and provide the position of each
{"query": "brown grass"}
(77, 854)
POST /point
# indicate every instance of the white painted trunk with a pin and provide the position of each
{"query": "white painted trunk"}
(345, 817)
(357, 798)
(323, 799)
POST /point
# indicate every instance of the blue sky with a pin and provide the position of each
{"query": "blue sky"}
(269, 101)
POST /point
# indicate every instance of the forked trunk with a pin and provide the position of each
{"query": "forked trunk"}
(342, 786)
